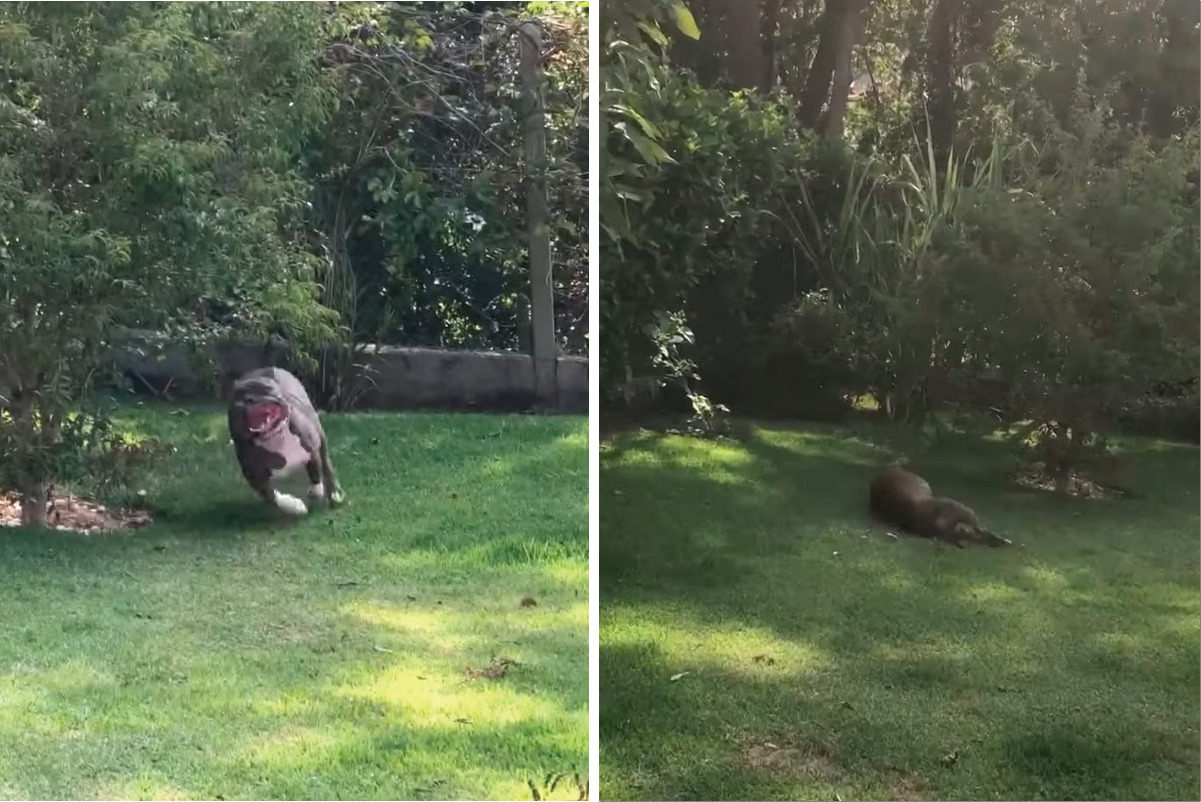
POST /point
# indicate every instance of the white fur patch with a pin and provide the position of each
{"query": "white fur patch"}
(338, 497)
(317, 490)
(290, 504)
(287, 445)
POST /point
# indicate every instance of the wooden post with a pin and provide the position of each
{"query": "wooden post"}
(542, 310)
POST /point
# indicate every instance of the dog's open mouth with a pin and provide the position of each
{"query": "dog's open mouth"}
(265, 416)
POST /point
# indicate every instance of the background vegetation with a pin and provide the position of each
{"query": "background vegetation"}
(916, 206)
(329, 174)
(968, 232)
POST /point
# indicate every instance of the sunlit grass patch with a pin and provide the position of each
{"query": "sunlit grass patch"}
(227, 652)
(760, 640)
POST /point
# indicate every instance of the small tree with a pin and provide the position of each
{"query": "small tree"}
(147, 179)
(1081, 294)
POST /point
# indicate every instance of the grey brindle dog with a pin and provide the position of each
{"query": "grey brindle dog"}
(275, 430)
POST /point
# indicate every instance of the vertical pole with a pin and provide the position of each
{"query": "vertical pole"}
(542, 310)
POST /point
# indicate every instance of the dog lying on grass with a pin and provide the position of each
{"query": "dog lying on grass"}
(903, 499)
(275, 430)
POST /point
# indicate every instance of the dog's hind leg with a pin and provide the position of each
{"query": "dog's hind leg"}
(313, 468)
(333, 490)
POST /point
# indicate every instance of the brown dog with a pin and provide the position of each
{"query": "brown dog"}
(903, 499)
(275, 430)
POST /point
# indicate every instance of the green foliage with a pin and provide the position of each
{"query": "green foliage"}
(146, 174)
(419, 199)
(670, 334)
(685, 172)
(1044, 261)
(1083, 289)
(339, 174)
(85, 449)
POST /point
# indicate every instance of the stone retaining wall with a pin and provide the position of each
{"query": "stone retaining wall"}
(388, 377)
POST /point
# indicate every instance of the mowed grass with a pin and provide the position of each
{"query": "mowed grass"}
(756, 645)
(226, 653)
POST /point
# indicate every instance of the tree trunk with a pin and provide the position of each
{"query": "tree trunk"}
(35, 496)
(817, 82)
(982, 20)
(850, 30)
(744, 51)
(767, 38)
(699, 55)
(940, 78)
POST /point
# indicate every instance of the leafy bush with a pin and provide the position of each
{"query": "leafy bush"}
(686, 198)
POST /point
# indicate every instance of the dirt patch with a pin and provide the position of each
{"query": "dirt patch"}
(812, 759)
(1035, 478)
(73, 514)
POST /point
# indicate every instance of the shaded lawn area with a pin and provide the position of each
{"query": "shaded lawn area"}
(224, 652)
(824, 665)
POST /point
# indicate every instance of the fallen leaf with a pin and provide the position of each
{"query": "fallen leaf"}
(675, 677)
(497, 669)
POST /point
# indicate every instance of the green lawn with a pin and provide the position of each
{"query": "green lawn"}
(822, 664)
(226, 653)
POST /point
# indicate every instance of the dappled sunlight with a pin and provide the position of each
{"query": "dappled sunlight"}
(577, 439)
(294, 743)
(448, 631)
(1045, 578)
(567, 573)
(773, 612)
(432, 698)
(556, 572)
(830, 444)
(224, 651)
(941, 648)
(990, 593)
(142, 787)
(677, 448)
(689, 644)
(721, 463)
(29, 695)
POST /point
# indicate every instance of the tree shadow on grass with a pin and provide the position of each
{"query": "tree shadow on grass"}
(223, 652)
(359, 692)
(891, 744)
(917, 652)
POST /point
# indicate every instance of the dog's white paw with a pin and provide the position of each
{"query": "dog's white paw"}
(338, 497)
(290, 504)
(317, 490)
